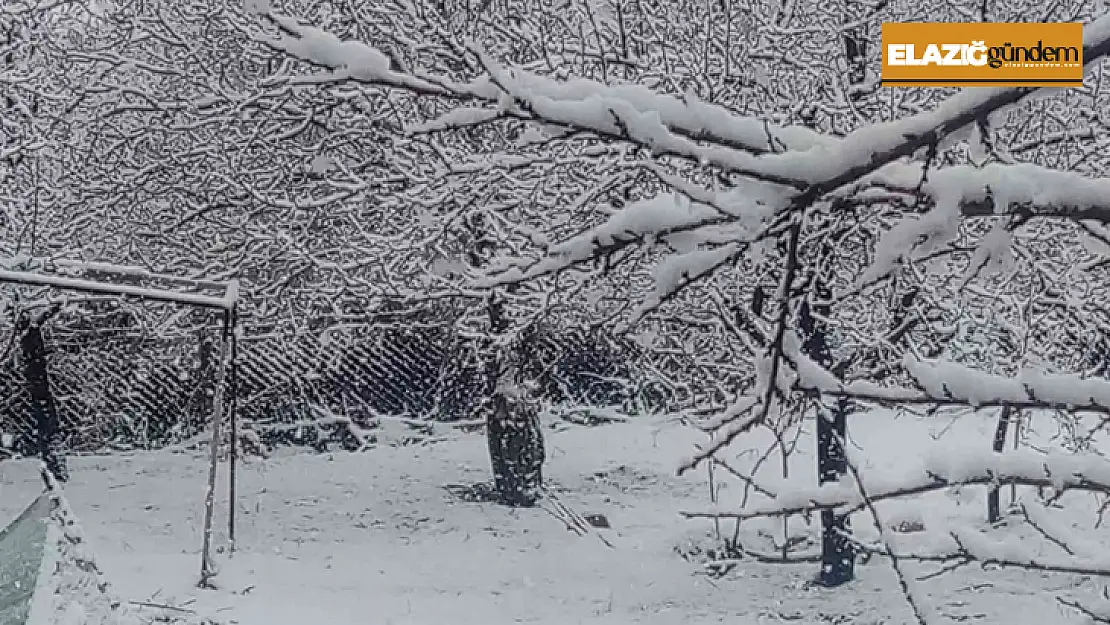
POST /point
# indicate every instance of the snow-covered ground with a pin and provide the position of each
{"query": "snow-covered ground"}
(376, 538)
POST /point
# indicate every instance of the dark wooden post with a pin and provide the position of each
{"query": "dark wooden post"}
(855, 51)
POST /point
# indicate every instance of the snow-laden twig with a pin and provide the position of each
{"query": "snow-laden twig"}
(944, 382)
(635, 114)
(690, 119)
(1097, 612)
(1037, 518)
(768, 389)
(1085, 472)
(1025, 190)
(574, 521)
(921, 611)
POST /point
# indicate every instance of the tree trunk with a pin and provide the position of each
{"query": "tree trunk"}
(837, 555)
(516, 448)
(46, 422)
(994, 509)
(516, 451)
(838, 558)
(855, 51)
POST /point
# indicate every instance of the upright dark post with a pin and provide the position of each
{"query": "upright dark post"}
(838, 558)
(44, 412)
(208, 566)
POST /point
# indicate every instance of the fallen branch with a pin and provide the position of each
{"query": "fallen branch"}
(575, 522)
(161, 606)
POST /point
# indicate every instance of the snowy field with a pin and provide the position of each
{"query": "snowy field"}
(355, 539)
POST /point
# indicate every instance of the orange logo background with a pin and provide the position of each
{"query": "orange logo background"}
(1027, 54)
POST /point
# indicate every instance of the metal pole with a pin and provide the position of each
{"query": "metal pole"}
(234, 420)
(207, 566)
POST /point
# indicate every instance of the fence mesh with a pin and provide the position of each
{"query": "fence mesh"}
(421, 370)
(141, 375)
(120, 375)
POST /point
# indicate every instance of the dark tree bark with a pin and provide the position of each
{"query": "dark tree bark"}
(45, 414)
(838, 558)
(516, 452)
(516, 447)
(855, 51)
(994, 509)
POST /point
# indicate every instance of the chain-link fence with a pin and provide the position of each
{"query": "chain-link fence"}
(136, 377)
(143, 376)
(420, 370)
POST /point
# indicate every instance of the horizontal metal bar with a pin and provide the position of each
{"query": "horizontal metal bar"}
(128, 270)
(90, 286)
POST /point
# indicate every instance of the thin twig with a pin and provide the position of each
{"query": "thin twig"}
(919, 609)
(161, 606)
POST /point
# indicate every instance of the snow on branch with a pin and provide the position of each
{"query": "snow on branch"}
(660, 216)
(679, 270)
(1098, 612)
(944, 382)
(812, 162)
(817, 169)
(614, 116)
(866, 150)
(1021, 189)
(1058, 471)
(688, 118)
(954, 381)
(813, 165)
(996, 188)
(350, 60)
(964, 545)
(816, 165)
(705, 230)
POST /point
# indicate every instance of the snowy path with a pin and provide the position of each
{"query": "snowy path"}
(374, 538)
